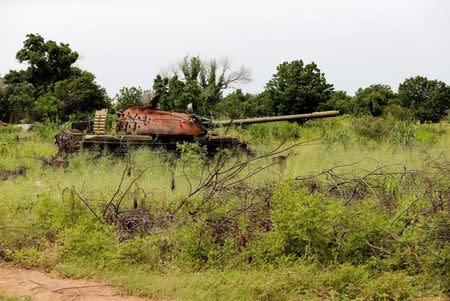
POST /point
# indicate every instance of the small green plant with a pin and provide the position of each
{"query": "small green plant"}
(47, 130)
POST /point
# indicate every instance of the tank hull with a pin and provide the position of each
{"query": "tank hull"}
(72, 141)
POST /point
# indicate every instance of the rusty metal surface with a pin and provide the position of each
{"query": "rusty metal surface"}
(147, 121)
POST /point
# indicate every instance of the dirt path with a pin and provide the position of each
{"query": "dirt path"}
(43, 286)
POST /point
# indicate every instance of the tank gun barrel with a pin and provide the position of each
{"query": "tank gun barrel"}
(220, 123)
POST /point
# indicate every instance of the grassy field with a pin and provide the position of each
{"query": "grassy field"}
(7, 297)
(337, 209)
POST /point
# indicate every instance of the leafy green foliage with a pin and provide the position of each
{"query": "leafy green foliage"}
(373, 99)
(50, 87)
(397, 111)
(129, 96)
(339, 100)
(197, 81)
(274, 131)
(297, 88)
(48, 62)
(17, 102)
(79, 94)
(429, 99)
(177, 94)
(236, 105)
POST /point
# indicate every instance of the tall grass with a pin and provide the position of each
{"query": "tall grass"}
(297, 242)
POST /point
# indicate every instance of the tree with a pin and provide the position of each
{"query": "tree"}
(339, 100)
(373, 99)
(79, 94)
(47, 106)
(235, 105)
(48, 62)
(176, 94)
(50, 87)
(429, 99)
(297, 87)
(129, 96)
(17, 102)
(198, 81)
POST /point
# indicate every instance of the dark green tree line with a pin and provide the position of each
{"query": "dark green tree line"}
(51, 87)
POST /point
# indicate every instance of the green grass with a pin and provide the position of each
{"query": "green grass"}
(388, 243)
(8, 297)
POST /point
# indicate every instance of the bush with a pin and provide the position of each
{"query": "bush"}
(148, 251)
(371, 127)
(390, 286)
(373, 99)
(87, 240)
(274, 131)
(396, 111)
(318, 227)
(346, 280)
(401, 132)
(397, 132)
(47, 130)
(334, 130)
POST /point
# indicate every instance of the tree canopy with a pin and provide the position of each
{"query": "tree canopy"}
(50, 87)
(48, 62)
(198, 81)
(297, 88)
(129, 96)
(429, 99)
(373, 99)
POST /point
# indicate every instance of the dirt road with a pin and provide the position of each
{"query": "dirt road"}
(43, 286)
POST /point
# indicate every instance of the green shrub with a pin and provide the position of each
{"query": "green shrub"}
(150, 251)
(87, 240)
(390, 286)
(333, 130)
(372, 128)
(274, 131)
(429, 133)
(401, 132)
(47, 130)
(347, 281)
(396, 111)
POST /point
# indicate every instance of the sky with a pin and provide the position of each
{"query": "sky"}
(356, 43)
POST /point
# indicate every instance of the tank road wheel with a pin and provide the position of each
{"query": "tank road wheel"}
(120, 150)
(213, 143)
(68, 142)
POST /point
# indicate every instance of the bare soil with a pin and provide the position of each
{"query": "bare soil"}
(44, 286)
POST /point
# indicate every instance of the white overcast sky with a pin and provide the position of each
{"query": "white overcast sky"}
(126, 43)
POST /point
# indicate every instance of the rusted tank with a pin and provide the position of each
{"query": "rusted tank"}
(152, 122)
(151, 127)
